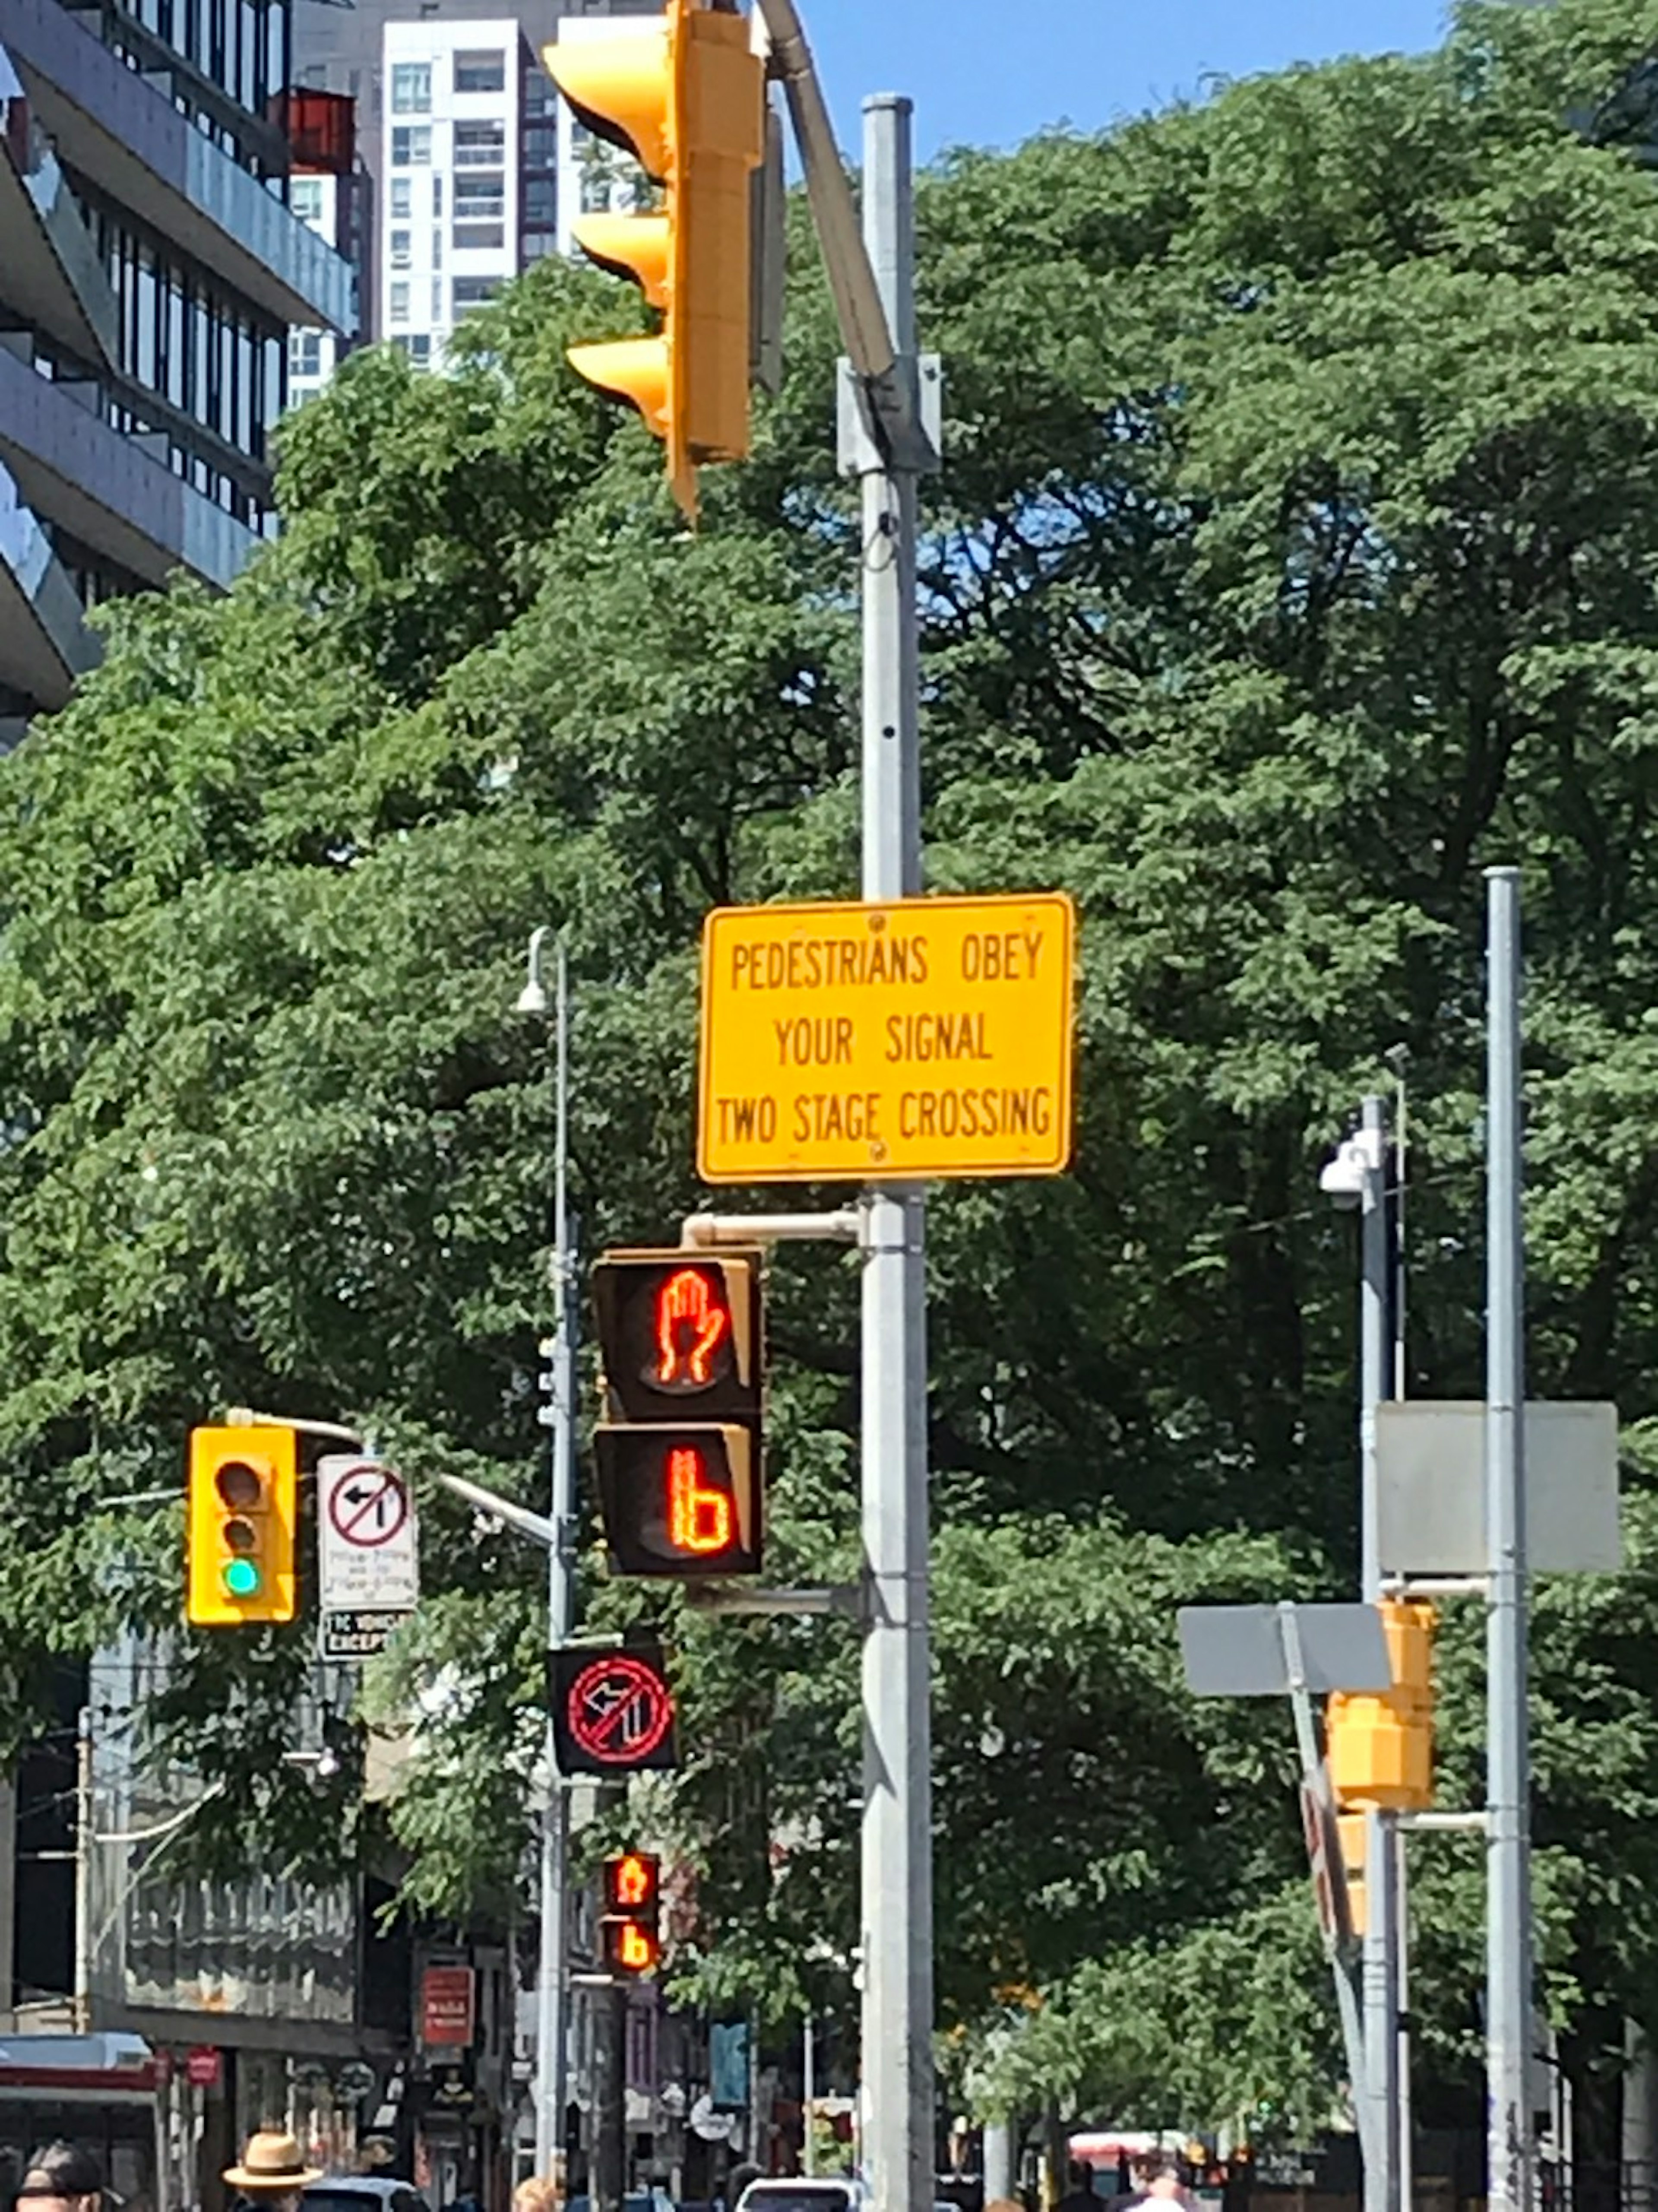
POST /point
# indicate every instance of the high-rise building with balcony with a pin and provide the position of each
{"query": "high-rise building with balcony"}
(151, 270)
(464, 142)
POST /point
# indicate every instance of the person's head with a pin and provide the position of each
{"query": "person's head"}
(272, 2172)
(739, 2178)
(60, 2177)
(1081, 2175)
(1158, 2177)
(538, 2193)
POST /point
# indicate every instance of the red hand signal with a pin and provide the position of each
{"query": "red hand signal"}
(692, 1322)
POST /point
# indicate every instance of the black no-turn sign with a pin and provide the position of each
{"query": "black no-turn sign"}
(365, 1537)
(613, 1711)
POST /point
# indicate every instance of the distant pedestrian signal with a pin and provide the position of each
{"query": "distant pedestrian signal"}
(631, 1919)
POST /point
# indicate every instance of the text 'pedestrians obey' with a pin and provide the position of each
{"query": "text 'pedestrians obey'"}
(926, 1038)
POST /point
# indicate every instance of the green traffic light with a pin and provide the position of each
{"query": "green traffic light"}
(241, 1578)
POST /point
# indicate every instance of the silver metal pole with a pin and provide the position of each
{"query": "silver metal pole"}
(552, 2031)
(1380, 1952)
(1402, 2014)
(808, 2096)
(1507, 1844)
(896, 1871)
(86, 1843)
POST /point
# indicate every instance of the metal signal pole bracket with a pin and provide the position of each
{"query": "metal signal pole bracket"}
(844, 1598)
(703, 1232)
(874, 432)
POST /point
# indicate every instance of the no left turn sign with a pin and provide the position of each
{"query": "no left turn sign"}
(368, 1506)
(365, 1537)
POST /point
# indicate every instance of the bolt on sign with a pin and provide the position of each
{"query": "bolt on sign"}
(931, 1037)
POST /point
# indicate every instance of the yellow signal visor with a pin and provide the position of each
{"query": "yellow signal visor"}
(633, 369)
(620, 89)
(636, 246)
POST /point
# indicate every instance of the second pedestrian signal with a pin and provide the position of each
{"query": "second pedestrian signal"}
(679, 1450)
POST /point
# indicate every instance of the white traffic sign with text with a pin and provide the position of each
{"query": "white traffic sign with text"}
(366, 1536)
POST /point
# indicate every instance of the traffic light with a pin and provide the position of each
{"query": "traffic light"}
(244, 1494)
(631, 1919)
(679, 1456)
(1380, 1746)
(687, 97)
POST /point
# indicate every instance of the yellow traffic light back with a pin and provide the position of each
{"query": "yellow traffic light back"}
(688, 98)
(1380, 1747)
(243, 1506)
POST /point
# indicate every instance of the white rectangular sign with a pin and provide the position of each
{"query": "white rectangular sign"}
(1431, 1486)
(365, 1537)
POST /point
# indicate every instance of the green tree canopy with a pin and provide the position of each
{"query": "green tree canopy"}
(1294, 560)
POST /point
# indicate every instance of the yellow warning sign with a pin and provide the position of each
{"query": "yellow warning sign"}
(896, 1043)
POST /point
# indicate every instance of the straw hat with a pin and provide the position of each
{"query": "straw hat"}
(274, 2161)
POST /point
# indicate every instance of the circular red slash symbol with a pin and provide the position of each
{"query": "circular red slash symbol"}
(369, 1492)
(619, 1709)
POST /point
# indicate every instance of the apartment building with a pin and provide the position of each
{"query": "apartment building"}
(460, 133)
(468, 158)
(328, 190)
(150, 270)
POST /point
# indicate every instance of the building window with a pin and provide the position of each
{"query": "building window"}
(437, 248)
(539, 243)
(469, 292)
(541, 147)
(305, 353)
(401, 255)
(305, 197)
(483, 69)
(437, 195)
(539, 97)
(478, 199)
(479, 237)
(437, 299)
(540, 200)
(480, 145)
(411, 88)
(403, 194)
(411, 145)
(420, 349)
(400, 303)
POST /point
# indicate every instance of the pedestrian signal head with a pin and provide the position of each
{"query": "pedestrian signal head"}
(681, 1502)
(633, 1900)
(680, 1335)
(242, 1510)
(679, 1452)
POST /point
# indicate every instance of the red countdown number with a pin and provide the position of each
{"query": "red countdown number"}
(699, 1516)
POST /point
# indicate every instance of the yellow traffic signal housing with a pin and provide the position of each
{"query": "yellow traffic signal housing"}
(1380, 1747)
(1351, 1830)
(688, 99)
(243, 1509)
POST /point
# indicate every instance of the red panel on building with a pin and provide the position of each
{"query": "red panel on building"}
(202, 2066)
(447, 2006)
(320, 128)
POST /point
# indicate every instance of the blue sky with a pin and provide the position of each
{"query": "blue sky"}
(989, 72)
